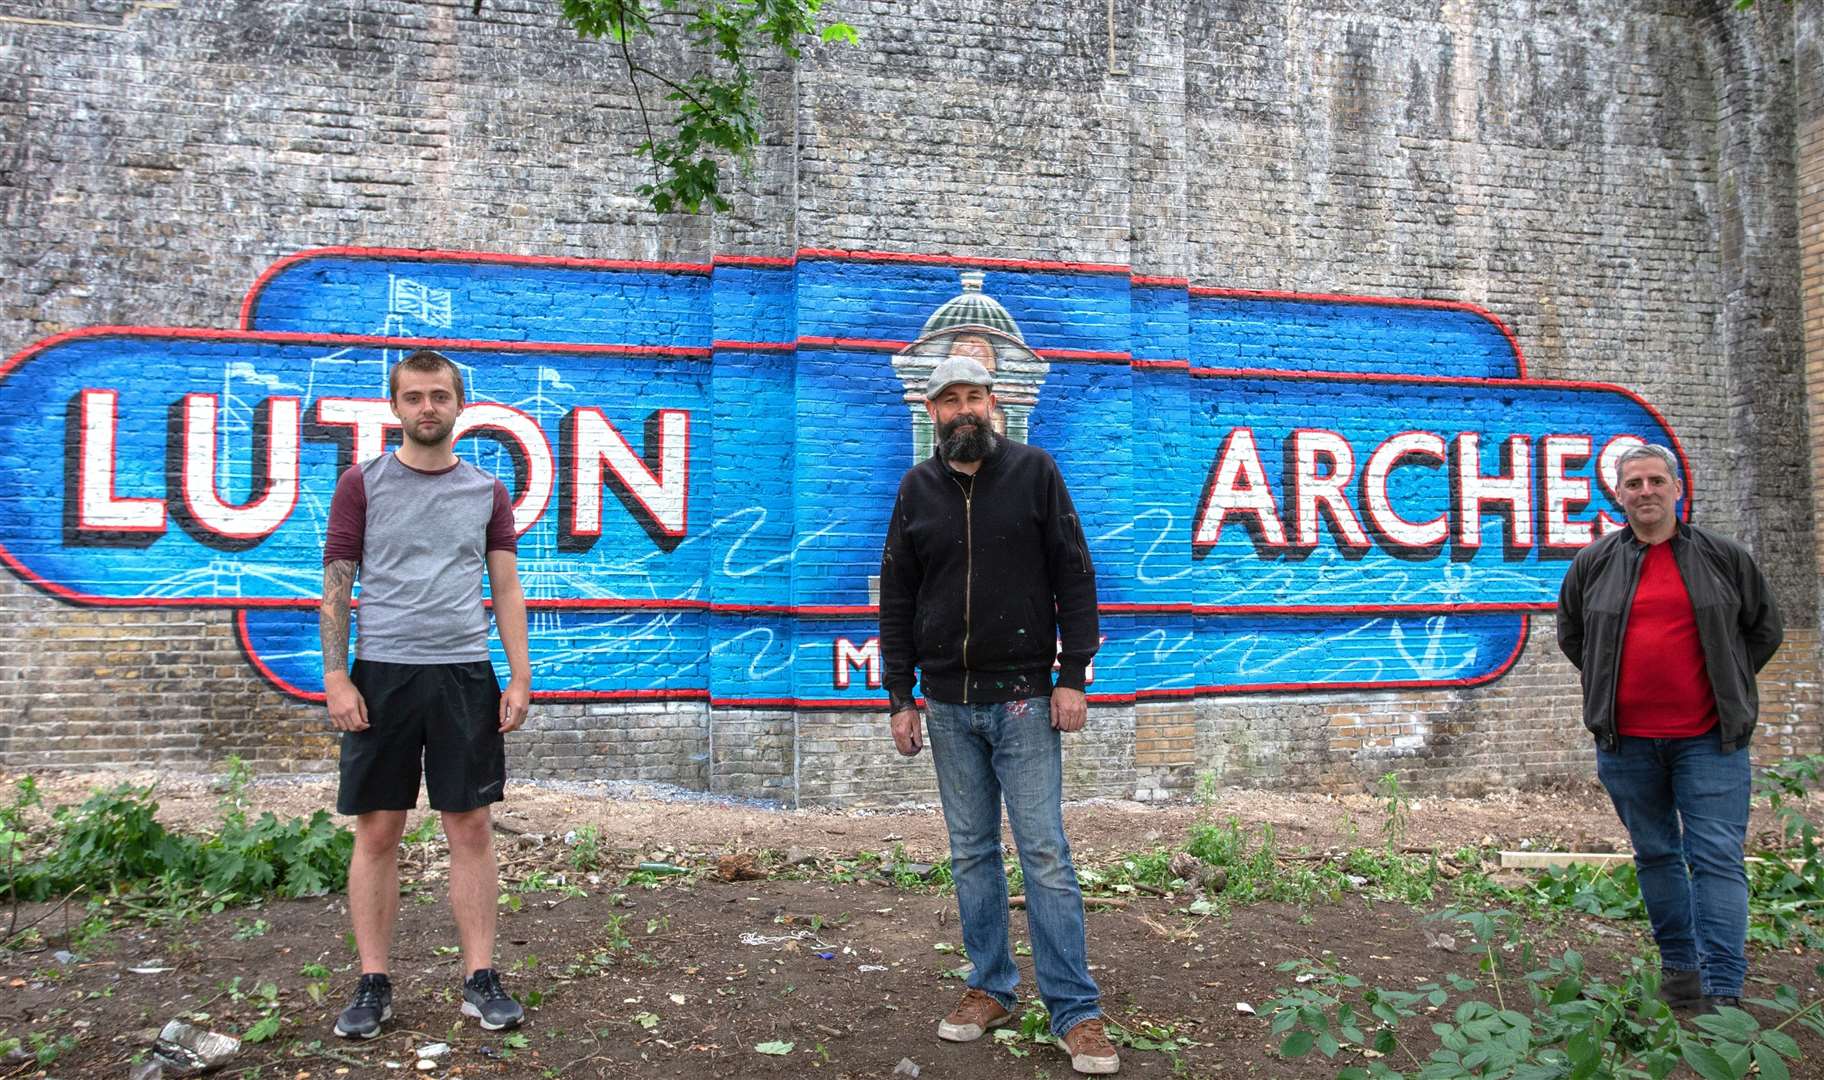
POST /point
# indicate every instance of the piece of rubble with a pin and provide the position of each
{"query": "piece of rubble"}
(739, 867)
(906, 1067)
(185, 1050)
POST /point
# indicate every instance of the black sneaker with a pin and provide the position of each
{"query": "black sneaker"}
(486, 1000)
(373, 1006)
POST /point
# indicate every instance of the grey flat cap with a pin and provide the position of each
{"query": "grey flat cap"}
(957, 369)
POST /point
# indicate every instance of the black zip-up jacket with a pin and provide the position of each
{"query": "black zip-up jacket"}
(1737, 623)
(979, 578)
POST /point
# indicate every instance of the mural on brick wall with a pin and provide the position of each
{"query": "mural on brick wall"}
(1281, 491)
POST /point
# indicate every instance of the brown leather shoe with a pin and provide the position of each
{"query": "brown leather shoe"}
(1089, 1048)
(973, 1016)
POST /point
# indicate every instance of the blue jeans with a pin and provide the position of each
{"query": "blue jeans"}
(982, 753)
(1685, 804)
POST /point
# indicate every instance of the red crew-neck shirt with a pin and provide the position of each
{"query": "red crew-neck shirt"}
(1664, 689)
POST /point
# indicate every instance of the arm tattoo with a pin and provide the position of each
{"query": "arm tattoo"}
(332, 616)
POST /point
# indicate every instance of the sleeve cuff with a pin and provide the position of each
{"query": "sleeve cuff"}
(1073, 676)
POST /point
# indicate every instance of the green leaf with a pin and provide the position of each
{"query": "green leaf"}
(1326, 1045)
(1729, 1024)
(1772, 1068)
(1781, 1043)
(1297, 1044)
(777, 1049)
(1707, 1063)
(1583, 1048)
(267, 1027)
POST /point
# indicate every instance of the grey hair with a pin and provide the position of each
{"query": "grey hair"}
(1646, 450)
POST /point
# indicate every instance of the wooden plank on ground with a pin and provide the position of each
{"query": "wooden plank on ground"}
(1548, 860)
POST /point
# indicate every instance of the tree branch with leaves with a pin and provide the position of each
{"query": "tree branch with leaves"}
(717, 114)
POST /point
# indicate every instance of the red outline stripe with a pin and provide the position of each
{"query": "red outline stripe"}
(755, 346)
(763, 262)
(883, 345)
(844, 255)
(291, 337)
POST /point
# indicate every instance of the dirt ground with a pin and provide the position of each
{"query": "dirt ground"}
(636, 817)
(688, 977)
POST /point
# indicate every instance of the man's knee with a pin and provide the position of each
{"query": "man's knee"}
(1046, 865)
(470, 831)
(378, 832)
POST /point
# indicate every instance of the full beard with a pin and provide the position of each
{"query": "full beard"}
(965, 439)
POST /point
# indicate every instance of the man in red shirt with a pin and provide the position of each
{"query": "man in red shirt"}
(1668, 623)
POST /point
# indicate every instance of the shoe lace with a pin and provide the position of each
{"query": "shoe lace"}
(370, 993)
(1092, 1036)
(486, 982)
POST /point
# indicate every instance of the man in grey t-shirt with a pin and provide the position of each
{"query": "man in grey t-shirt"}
(422, 699)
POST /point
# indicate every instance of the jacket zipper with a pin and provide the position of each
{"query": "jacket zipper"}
(968, 574)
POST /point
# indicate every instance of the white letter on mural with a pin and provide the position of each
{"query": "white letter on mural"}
(98, 509)
(866, 657)
(1239, 486)
(1379, 505)
(268, 509)
(541, 469)
(664, 495)
(1605, 473)
(1514, 488)
(1563, 492)
(370, 417)
(1312, 492)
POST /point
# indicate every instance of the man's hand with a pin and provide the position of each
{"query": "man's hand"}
(347, 708)
(1069, 709)
(515, 703)
(906, 733)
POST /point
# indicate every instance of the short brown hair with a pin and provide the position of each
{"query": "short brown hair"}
(428, 362)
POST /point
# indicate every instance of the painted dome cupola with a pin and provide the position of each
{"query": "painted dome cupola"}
(973, 324)
(972, 308)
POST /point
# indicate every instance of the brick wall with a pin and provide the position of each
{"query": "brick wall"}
(1635, 193)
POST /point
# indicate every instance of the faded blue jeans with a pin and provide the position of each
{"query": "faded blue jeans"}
(1685, 805)
(984, 753)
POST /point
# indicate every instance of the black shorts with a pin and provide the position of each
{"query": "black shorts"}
(441, 720)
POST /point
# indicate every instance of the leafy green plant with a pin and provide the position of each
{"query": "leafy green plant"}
(586, 850)
(1396, 819)
(112, 846)
(718, 108)
(1525, 1020)
(1609, 891)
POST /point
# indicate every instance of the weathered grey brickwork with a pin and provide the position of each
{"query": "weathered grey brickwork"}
(1637, 191)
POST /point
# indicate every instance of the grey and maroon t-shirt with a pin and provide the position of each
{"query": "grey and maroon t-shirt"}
(422, 540)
